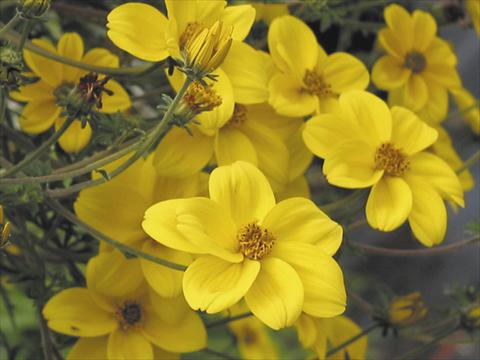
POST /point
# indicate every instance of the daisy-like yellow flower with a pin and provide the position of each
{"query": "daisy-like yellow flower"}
(419, 66)
(407, 310)
(56, 80)
(368, 145)
(276, 256)
(308, 80)
(116, 315)
(320, 334)
(116, 209)
(229, 132)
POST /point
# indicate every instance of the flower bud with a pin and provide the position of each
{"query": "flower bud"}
(197, 99)
(406, 310)
(33, 8)
(11, 66)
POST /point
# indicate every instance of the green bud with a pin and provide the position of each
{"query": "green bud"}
(11, 66)
(33, 8)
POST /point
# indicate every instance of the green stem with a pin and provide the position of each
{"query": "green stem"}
(218, 354)
(161, 128)
(67, 214)
(11, 24)
(462, 111)
(41, 150)
(26, 30)
(229, 319)
(343, 202)
(3, 104)
(352, 340)
(469, 162)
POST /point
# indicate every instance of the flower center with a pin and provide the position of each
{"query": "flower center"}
(391, 159)
(415, 61)
(315, 84)
(255, 242)
(239, 116)
(92, 88)
(201, 98)
(129, 314)
(192, 30)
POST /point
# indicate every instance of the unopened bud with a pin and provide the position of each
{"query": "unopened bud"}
(33, 8)
(407, 310)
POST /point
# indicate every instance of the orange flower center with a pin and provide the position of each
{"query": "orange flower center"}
(315, 84)
(201, 98)
(129, 314)
(391, 159)
(239, 116)
(415, 61)
(255, 242)
(192, 30)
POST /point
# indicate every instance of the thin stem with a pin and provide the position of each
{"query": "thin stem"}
(161, 128)
(47, 345)
(363, 304)
(377, 250)
(67, 214)
(219, 354)
(41, 150)
(462, 111)
(469, 162)
(26, 30)
(3, 104)
(11, 24)
(343, 202)
(229, 319)
(353, 339)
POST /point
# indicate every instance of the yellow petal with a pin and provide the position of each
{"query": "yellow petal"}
(306, 330)
(415, 93)
(287, 97)
(409, 133)
(321, 277)
(165, 281)
(245, 67)
(464, 99)
(173, 188)
(70, 46)
(232, 145)
(186, 335)
(293, 46)
(211, 284)
(101, 57)
(389, 204)
(436, 172)
(445, 75)
(243, 192)
(119, 101)
(300, 156)
(241, 18)
(89, 348)
(139, 29)
(48, 70)
(440, 52)
(351, 165)
(425, 29)
(74, 138)
(276, 296)
(341, 329)
(428, 218)
(180, 154)
(392, 43)
(129, 345)
(388, 73)
(74, 312)
(160, 354)
(436, 108)
(371, 114)
(38, 91)
(399, 20)
(39, 116)
(300, 220)
(344, 72)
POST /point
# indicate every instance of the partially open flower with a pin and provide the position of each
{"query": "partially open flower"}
(407, 310)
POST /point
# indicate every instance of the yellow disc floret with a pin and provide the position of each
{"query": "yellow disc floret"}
(391, 159)
(255, 242)
(201, 98)
(316, 85)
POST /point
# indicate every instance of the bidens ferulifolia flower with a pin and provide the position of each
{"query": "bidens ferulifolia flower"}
(308, 80)
(407, 310)
(368, 145)
(57, 81)
(276, 256)
(120, 317)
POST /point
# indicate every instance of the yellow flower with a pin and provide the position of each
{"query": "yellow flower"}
(116, 209)
(419, 66)
(473, 9)
(229, 132)
(319, 334)
(277, 256)
(464, 101)
(368, 145)
(56, 79)
(308, 80)
(444, 149)
(252, 337)
(269, 12)
(407, 310)
(473, 317)
(116, 315)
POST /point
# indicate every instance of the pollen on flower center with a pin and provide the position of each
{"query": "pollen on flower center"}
(239, 116)
(192, 30)
(201, 98)
(255, 242)
(415, 61)
(315, 84)
(391, 159)
(129, 314)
